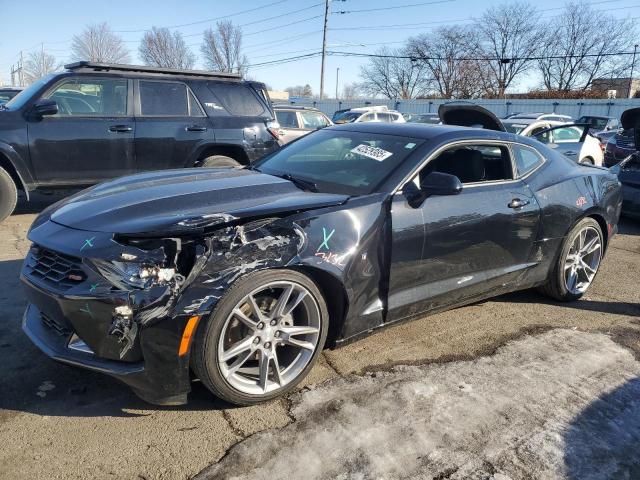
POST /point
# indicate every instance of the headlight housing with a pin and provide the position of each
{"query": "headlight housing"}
(125, 275)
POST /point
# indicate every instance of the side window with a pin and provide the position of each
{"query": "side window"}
(384, 117)
(238, 99)
(287, 119)
(166, 99)
(369, 117)
(312, 120)
(473, 163)
(91, 97)
(527, 159)
(567, 134)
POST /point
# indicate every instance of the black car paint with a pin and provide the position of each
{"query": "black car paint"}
(376, 259)
(69, 151)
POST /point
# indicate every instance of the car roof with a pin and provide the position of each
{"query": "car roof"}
(424, 131)
(12, 89)
(294, 107)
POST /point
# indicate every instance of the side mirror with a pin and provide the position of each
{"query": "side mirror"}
(45, 107)
(436, 183)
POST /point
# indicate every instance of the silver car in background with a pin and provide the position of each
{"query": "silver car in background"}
(295, 121)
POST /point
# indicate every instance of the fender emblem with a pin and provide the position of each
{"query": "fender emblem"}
(581, 202)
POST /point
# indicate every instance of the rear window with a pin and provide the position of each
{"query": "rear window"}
(238, 99)
(515, 127)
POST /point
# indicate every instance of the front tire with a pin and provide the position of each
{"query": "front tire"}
(8, 194)
(578, 262)
(217, 161)
(263, 337)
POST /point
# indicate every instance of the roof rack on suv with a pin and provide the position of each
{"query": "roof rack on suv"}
(105, 67)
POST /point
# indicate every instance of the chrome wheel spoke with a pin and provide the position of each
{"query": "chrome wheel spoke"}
(279, 309)
(591, 246)
(239, 314)
(263, 370)
(573, 277)
(240, 361)
(296, 302)
(255, 308)
(294, 342)
(582, 260)
(299, 330)
(237, 348)
(276, 367)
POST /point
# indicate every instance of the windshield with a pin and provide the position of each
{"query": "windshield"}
(19, 100)
(516, 128)
(337, 161)
(7, 95)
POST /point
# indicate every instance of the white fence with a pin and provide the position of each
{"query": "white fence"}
(501, 108)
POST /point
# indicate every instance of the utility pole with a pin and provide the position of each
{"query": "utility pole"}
(21, 71)
(633, 64)
(324, 46)
(337, 76)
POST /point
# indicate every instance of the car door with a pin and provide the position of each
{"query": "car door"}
(289, 126)
(170, 125)
(454, 248)
(90, 139)
(566, 139)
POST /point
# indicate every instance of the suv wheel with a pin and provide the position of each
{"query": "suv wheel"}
(8, 194)
(219, 161)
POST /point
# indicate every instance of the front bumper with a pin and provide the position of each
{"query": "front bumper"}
(142, 381)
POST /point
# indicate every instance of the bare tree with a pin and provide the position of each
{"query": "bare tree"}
(222, 48)
(161, 48)
(577, 49)
(394, 75)
(351, 91)
(507, 35)
(447, 54)
(300, 91)
(97, 43)
(39, 64)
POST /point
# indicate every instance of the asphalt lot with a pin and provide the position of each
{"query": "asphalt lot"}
(515, 387)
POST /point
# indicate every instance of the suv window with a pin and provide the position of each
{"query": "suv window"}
(313, 120)
(527, 159)
(473, 163)
(166, 99)
(567, 134)
(91, 97)
(237, 99)
(287, 118)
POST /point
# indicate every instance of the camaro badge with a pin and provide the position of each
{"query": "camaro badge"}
(581, 201)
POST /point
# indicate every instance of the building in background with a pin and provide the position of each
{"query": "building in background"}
(617, 87)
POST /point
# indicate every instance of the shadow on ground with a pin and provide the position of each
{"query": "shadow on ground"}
(602, 441)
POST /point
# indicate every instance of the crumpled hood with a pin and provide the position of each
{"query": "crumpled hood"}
(180, 200)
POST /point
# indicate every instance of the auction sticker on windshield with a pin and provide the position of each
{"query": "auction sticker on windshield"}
(371, 152)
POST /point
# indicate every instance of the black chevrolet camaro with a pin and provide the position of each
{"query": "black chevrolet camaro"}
(240, 277)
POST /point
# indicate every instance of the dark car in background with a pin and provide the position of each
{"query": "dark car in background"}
(628, 169)
(619, 146)
(94, 122)
(599, 122)
(7, 93)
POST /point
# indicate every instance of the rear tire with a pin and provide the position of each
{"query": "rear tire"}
(217, 161)
(561, 285)
(8, 194)
(587, 161)
(236, 344)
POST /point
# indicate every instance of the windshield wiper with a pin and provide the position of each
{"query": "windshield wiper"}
(300, 183)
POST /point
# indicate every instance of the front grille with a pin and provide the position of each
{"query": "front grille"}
(625, 140)
(54, 268)
(53, 324)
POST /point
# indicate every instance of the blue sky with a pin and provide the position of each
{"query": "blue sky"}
(28, 24)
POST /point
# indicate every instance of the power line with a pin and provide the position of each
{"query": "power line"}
(208, 19)
(343, 12)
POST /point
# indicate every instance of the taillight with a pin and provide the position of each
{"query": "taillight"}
(274, 129)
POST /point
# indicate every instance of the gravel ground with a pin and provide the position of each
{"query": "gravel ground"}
(556, 384)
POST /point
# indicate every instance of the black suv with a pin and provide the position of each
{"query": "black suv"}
(93, 122)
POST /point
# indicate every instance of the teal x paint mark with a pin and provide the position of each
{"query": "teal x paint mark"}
(87, 310)
(326, 237)
(88, 243)
(93, 287)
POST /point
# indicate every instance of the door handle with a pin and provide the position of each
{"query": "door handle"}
(120, 128)
(517, 203)
(196, 128)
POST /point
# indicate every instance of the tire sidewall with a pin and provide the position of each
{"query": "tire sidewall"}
(208, 335)
(8, 194)
(562, 288)
(219, 161)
